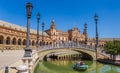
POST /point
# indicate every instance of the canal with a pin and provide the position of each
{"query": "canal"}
(66, 67)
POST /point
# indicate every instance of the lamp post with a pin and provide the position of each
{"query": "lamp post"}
(28, 51)
(37, 42)
(96, 20)
(43, 33)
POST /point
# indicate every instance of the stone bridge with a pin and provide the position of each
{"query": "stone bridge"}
(85, 50)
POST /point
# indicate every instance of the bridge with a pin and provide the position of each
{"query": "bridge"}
(85, 50)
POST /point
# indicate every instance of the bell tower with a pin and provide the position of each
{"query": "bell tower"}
(53, 26)
(85, 32)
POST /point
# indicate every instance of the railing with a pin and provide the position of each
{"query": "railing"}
(75, 45)
(67, 45)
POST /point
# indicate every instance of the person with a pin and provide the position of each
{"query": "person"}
(81, 63)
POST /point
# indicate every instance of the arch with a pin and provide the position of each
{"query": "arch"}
(86, 54)
(50, 43)
(46, 43)
(33, 43)
(14, 41)
(1, 39)
(89, 54)
(24, 42)
(40, 43)
(8, 40)
(19, 41)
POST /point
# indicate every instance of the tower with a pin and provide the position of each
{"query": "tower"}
(53, 26)
(53, 30)
(85, 32)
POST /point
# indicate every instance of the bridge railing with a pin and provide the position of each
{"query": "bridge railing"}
(68, 45)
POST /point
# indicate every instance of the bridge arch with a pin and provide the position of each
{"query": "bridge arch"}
(90, 54)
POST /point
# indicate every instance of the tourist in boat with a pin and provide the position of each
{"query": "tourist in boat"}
(80, 63)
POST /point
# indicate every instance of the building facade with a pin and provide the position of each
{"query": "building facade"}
(59, 36)
(14, 37)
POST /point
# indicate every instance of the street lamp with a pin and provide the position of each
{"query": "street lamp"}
(38, 19)
(43, 33)
(28, 51)
(96, 19)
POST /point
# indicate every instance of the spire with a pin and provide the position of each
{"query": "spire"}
(85, 29)
(53, 21)
(85, 32)
(53, 26)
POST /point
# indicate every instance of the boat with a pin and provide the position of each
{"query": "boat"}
(80, 66)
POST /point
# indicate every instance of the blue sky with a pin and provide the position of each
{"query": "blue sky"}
(67, 14)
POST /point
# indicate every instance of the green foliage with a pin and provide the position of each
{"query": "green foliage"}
(112, 47)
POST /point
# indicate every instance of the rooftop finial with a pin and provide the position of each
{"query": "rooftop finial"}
(53, 26)
(53, 19)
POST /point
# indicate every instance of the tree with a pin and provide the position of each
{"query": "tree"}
(112, 48)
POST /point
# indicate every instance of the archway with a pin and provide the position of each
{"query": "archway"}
(1, 39)
(50, 43)
(19, 41)
(40, 43)
(33, 43)
(14, 41)
(8, 40)
(46, 43)
(24, 42)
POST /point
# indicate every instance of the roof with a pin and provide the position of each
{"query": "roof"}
(19, 28)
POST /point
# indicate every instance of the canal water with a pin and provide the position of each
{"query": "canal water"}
(66, 67)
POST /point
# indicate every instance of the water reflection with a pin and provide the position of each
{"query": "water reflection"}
(66, 67)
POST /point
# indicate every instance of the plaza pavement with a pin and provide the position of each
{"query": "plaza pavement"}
(8, 57)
